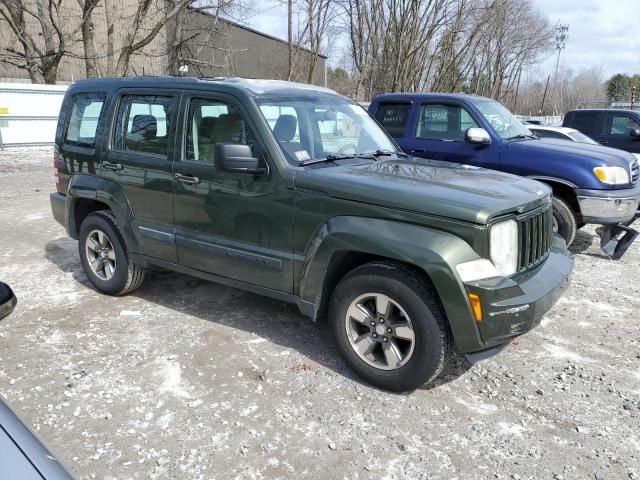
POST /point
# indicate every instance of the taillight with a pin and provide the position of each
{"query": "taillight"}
(56, 170)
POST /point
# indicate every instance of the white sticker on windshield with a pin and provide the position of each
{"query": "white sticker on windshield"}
(302, 155)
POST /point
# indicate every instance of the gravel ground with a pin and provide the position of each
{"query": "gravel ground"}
(188, 379)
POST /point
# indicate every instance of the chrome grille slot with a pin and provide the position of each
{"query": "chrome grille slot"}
(535, 233)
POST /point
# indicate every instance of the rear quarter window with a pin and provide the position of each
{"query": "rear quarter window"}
(393, 117)
(585, 121)
(82, 126)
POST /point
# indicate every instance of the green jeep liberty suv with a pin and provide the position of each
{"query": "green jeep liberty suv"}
(295, 192)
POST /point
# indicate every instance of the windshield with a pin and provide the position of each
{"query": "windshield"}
(582, 138)
(309, 128)
(503, 122)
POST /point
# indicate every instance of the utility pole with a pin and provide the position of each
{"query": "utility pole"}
(290, 38)
(561, 43)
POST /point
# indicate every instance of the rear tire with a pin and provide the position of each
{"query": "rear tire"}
(564, 220)
(104, 255)
(383, 300)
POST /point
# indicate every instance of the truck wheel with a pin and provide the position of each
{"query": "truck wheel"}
(564, 220)
(388, 327)
(104, 256)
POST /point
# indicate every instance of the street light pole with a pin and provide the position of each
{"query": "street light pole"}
(561, 43)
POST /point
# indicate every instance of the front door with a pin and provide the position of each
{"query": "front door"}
(139, 160)
(236, 225)
(439, 134)
(616, 128)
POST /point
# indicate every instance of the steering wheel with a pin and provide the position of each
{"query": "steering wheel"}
(343, 149)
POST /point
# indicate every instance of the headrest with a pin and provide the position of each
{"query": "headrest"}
(145, 126)
(285, 128)
(207, 127)
(228, 128)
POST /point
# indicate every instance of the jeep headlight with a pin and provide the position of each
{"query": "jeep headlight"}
(612, 175)
(504, 247)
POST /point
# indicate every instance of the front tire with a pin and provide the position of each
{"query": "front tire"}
(388, 326)
(564, 220)
(104, 255)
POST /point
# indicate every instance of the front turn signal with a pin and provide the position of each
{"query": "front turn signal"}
(476, 306)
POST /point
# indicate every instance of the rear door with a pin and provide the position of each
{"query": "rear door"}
(236, 225)
(439, 134)
(615, 132)
(139, 159)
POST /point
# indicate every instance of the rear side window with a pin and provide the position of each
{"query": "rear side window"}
(585, 121)
(143, 124)
(83, 121)
(393, 117)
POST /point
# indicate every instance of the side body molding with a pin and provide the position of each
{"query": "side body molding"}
(433, 251)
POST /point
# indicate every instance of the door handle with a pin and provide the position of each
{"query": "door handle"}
(603, 142)
(112, 166)
(417, 150)
(186, 179)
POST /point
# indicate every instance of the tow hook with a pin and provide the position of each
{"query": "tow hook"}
(615, 240)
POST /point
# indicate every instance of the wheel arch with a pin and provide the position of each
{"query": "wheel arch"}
(344, 243)
(88, 194)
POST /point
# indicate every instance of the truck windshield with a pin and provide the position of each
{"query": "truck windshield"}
(312, 128)
(503, 122)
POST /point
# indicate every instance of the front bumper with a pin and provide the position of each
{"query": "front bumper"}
(606, 207)
(513, 306)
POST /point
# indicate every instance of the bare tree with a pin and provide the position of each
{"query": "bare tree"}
(41, 48)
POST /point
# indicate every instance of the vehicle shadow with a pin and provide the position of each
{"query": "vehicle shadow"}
(582, 242)
(273, 320)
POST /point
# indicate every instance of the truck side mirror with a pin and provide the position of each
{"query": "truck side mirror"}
(477, 136)
(634, 132)
(7, 300)
(237, 158)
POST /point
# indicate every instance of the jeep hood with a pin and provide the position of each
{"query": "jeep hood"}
(431, 187)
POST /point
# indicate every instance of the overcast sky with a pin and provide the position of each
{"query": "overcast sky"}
(602, 33)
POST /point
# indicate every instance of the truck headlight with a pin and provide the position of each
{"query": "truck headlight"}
(612, 175)
(504, 247)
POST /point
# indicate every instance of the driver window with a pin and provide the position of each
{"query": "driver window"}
(620, 125)
(443, 122)
(211, 122)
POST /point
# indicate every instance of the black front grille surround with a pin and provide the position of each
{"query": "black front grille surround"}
(535, 236)
(635, 171)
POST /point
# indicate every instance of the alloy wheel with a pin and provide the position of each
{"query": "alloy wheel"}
(380, 331)
(100, 254)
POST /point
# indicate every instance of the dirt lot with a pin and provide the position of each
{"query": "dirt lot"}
(188, 379)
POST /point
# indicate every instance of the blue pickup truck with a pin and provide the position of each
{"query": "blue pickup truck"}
(591, 183)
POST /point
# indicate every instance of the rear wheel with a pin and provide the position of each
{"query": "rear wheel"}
(564, 220)
(388, 326)
(104, 255)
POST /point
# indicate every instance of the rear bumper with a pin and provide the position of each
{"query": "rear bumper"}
(58, 207)
(513, 306)
(605, 207)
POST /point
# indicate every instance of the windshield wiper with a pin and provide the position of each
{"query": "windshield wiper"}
(387, 153)
(333, 157)
(522, 136)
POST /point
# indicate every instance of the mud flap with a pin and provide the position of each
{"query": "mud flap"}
(615, 240)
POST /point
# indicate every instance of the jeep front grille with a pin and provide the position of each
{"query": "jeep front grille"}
(535, 234)
(635, 171)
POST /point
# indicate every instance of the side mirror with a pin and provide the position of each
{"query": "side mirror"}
(477, 136)
(237, 158)
(634, 132)
(7, 300)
